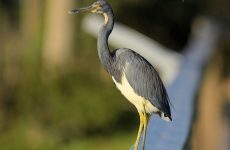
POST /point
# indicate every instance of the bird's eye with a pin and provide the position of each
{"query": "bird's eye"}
(165, 115)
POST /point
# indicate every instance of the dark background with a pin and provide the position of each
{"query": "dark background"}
(53, 92)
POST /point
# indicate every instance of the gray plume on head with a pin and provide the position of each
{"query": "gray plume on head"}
(105, 5)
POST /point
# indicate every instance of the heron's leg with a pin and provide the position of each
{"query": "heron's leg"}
(139, 131)
(145, 123)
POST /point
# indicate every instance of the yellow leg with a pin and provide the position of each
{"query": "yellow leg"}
(145, 123)
(139, 131)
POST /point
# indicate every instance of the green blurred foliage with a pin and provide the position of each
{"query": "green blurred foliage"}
(42, 108)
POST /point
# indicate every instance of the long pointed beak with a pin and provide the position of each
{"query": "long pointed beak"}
(79, 10)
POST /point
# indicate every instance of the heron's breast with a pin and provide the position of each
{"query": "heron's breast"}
(133, 97)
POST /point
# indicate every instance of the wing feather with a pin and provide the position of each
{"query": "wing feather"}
(145, 80)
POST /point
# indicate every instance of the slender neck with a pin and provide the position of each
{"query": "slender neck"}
(102, 43)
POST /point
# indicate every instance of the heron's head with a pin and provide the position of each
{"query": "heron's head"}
(100, 7)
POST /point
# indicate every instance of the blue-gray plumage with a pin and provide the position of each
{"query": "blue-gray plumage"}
(133, 75)
(144, 79)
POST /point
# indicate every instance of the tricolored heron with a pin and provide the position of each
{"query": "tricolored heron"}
(133, 75)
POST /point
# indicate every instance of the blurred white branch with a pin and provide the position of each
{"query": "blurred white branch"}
(165, 60)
